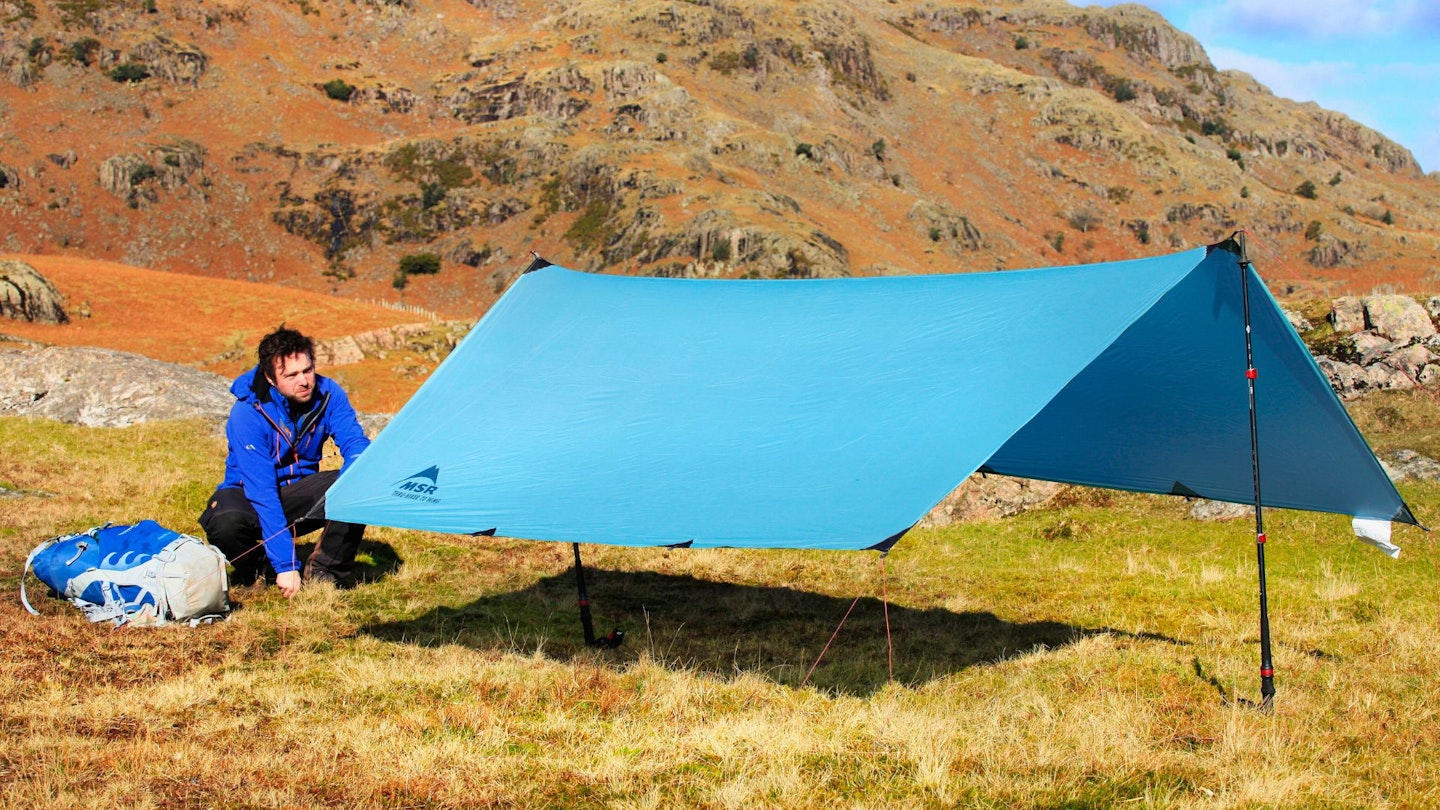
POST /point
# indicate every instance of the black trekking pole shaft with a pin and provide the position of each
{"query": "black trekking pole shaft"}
(1267, 668)
(586, 624)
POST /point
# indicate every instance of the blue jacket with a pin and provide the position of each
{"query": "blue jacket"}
(271, 447)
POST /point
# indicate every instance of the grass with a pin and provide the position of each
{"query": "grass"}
(1097, 654)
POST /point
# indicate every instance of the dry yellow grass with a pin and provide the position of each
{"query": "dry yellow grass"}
(1110, 668)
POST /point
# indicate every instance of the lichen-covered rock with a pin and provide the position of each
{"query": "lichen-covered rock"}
(28, 296)
(1221, 510)
(1398, 317)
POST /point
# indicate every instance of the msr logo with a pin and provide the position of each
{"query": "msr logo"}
(421, 486)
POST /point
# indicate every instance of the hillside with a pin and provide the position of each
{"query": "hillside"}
(212, 324)
(315, 143)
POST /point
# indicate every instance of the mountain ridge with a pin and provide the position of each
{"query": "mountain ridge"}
(315, 144)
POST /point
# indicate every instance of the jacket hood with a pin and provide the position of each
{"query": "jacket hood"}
(251, 386)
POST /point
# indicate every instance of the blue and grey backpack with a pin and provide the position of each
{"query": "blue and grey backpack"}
(143, 574)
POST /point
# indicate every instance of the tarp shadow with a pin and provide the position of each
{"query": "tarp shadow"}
(724, 629)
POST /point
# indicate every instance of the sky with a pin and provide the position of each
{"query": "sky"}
(1377, 61)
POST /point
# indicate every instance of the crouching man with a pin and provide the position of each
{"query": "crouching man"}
(277, 428)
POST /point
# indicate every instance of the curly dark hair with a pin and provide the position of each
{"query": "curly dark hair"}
(280, 344)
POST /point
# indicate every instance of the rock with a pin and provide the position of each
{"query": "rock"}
(1331, 252)
(983, 497)
(1343, 376)
(373, 423)
(1402, 464)
(1432, 306)
(1429, 376)
(104, 388)
(1221, 510)
(1347, 315)
(1371, 347)
(1297, 321)
(28, 296)
(1411, 359)
(1384, 377)
(175, 62)
(337, 352)
(1397, 317)
(119, 174)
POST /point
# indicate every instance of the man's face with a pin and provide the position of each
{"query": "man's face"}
(294, 377)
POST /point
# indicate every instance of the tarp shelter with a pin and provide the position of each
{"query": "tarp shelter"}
(833, 414)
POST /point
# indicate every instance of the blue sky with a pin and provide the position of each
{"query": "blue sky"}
(1377, 61)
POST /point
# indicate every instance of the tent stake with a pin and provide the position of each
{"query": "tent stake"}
(1267, 669)
(586, 624)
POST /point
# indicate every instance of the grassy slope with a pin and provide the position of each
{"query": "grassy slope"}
(212, 323)
(1076, 657)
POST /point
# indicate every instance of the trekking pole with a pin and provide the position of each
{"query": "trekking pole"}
(1267, 668)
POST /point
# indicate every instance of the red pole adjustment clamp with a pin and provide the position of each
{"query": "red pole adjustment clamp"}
(1260, 538)
(1251, 373)
(1266, 672)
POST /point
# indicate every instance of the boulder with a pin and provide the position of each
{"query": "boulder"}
(1347, 315)
(104, 388)
(1371, 347)
(1398, 317)
(1221, 510)
(1297, 321)
(1411, 359)
(983, 497)
(28, 296)
(1402, 464)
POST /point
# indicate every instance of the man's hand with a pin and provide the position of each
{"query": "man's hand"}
(288, 583)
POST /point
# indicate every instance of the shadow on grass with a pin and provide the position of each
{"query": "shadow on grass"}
(726, 629)
(374, 562)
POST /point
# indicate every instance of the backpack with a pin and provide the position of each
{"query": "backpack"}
(144, 574)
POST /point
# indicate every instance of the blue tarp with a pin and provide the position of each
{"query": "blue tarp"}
(833, 414)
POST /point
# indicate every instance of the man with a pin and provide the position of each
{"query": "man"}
(277, 428)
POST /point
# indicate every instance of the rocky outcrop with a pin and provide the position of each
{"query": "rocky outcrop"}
(28, 296)
(1380, 343)
(175, 62)
(104, 388)
(433, 341)
(1403, 464)
(987, 497)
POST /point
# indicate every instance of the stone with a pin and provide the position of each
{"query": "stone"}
(1384, 377)
(1221, 510)
(1411, 359)
(105, 388)
(1297, 321)
(983, 497)
(1402, 464)
(1347, 315)
(1371, 347)
(28, 296)
(1397, 317)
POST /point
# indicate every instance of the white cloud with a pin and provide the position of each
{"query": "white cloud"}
(1299, 82)
(1325, 19)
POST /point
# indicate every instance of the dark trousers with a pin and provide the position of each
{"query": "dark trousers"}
(231, 525)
